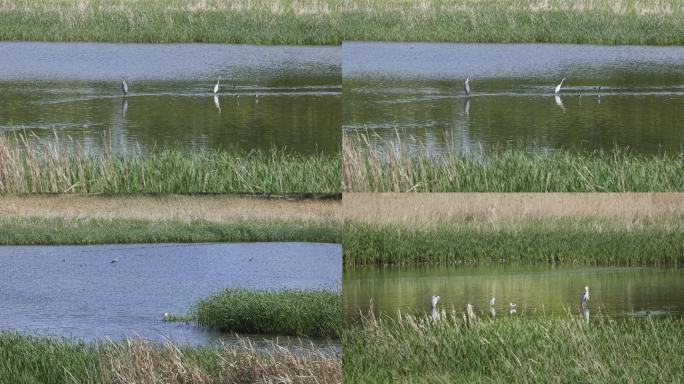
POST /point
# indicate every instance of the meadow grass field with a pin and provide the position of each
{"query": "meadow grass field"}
(657, 22)
(315, 313)
(109, 219)
(581, 229)
(35, 359)
(26, 167)
(418, 349)
(394, 167)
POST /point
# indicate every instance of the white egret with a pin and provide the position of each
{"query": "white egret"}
(466, 87)
(492, 301)
(558, 87)
(124, 86)
(433, 302)
(216, 87)
(584, 296)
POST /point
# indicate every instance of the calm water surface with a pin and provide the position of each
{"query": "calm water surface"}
(75, 291)
(73, 91)
(617, 292)
(414, 92)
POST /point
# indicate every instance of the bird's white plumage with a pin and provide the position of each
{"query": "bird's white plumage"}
(466, 87)
(433, 302)
(492, 301)
(558, 87)
(216, 87)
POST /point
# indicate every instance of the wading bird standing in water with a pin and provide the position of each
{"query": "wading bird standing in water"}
(584, 296)
(124, 86)
(466, 87)
(216, 87)
(433, 302)
(492, 301)
(558, 87)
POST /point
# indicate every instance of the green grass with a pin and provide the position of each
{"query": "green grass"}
(285, 312)
(171, 21)
(396, 168)
(658, 22)
(30, 168)
(621, 22)
(14, 231)
(26, 359)
(582, 242)
(530, 350)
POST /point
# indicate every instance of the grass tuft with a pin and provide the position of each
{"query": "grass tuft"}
(316, 313)
(418, 349)
(26, 167)
(395, 167)
(34, 359)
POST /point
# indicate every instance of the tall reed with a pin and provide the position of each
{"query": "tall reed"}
(418, 349)
(393, 166)
(27, 167)
(35, 359)
(539, 241)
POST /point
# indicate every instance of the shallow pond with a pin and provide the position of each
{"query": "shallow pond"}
(289, 97)
(414, 91)
(76, 291)
(536, 290)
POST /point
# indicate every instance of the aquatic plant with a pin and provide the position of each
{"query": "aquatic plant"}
(395, 167)
(285, 312)
(52, 231)
(35, 359)
(584, 242)
(412, 349)
(27, 167)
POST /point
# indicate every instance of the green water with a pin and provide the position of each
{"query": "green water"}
(535, 290)
(284, 97)
(626, 97)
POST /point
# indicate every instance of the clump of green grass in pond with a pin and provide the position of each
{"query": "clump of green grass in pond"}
(52, 231)
(35, 359)
(395, 167)
(314, 313)
(538, 241)
(417, 349)
(56, 168)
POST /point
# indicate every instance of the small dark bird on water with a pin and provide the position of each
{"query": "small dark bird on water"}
(114, 261)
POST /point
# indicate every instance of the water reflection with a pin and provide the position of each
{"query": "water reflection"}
(527, 290)
(392, 90)
(72, 90)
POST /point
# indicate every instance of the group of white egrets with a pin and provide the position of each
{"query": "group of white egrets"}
(124, 89)
(584, 297)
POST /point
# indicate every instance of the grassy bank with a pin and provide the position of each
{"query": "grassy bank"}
(119, 231)
(28, 359)
(323, 209)
(394, 167)
(553, 242)
(288, 312)
(173, 21)
(565, 350)
(54, 168)
(331, 22)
